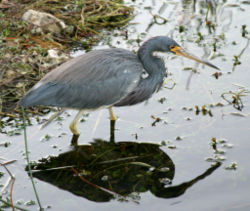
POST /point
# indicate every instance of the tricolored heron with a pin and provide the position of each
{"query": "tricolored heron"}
(105, 78)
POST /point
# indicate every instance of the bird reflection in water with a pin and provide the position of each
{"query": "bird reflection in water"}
(106, 170)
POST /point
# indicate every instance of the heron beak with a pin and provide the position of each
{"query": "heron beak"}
(178, 51)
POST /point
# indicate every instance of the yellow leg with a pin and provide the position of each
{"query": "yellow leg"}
(112, 114)
(73, 124)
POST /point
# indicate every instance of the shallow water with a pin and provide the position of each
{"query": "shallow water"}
(194, 184)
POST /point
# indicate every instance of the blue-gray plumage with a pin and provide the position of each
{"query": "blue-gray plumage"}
(89, 81)
(105, 78)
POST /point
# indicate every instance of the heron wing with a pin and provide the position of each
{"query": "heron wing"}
(95, 79)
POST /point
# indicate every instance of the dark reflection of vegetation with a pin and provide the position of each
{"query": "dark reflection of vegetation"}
(106, 170)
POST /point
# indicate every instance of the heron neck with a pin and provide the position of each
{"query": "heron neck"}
(154, 66)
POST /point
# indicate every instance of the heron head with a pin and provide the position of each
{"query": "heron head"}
(164, 44)
(175, 48)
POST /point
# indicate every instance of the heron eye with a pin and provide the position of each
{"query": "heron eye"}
(172, 48)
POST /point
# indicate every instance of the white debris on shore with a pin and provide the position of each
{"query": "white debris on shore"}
(44, 21)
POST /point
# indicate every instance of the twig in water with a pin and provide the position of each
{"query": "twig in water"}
(12, 178)
(16, 207)
(55, 115)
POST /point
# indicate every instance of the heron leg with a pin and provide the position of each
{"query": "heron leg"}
(73, 124)
(112, 114)
(112, 131)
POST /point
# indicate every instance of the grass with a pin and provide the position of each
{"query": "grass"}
(24, 51)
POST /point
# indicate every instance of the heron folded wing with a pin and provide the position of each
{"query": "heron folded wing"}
(93, 81)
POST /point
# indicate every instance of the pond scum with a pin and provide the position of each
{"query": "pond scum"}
(24, 52)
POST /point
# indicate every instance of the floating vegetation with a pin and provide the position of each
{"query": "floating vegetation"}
(236, 58)
(228, 146)
(1, 173)
(232, 166)
(162, 100)
(169, 144)
(179, 138)
(163, 143)
(218, 155)
(172, 84)
(172, 146)
(24, 47)
(4, 144)
(234, 98)
(217, 75)
(30, 203)
(156, 120)
(244, 31)
(204, 110)
(216, 159)
(214, 143)
(47, 137)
